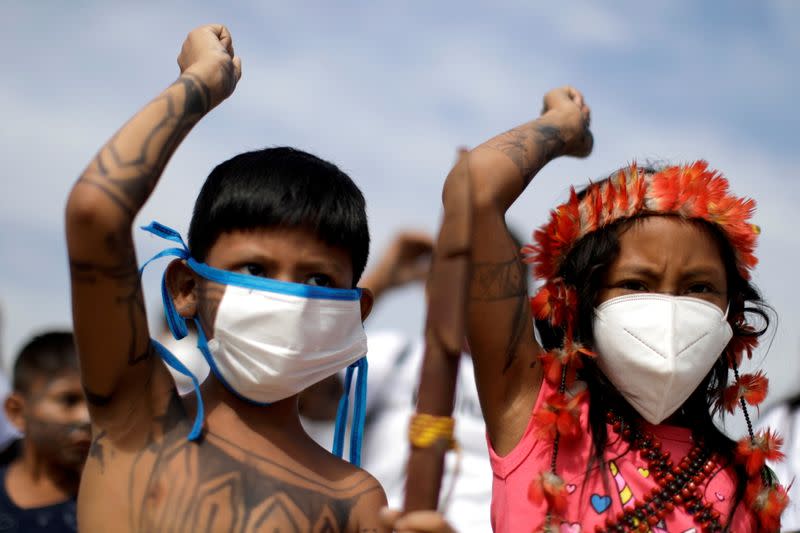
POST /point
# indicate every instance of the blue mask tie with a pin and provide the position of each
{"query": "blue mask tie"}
(177, 326)
(359, 413)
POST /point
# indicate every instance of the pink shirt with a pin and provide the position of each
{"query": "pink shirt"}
(590, 502)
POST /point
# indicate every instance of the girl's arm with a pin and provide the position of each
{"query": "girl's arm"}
(500, 327)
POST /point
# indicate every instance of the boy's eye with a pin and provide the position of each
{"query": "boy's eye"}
(253, 269)
(321, 280)
(71, 399)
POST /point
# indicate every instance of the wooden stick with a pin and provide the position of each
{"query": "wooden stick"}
(444, 335)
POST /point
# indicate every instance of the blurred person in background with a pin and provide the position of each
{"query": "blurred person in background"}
(785, 418)
(48, 408)
(9, 436)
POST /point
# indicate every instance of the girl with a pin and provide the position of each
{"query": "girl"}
(645, 313)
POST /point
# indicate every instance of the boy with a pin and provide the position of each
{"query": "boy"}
(279, 214)
(40, 484)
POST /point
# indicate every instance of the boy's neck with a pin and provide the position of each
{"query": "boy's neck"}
(33, 482)
(278, 422)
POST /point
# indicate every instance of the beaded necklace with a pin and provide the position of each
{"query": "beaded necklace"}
(678, 486)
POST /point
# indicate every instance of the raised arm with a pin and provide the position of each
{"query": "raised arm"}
(500, 327)
(107, 303)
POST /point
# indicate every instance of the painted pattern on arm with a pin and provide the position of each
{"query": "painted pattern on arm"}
(125, 170)
(503, 281)
(530, 147)
(127, 176)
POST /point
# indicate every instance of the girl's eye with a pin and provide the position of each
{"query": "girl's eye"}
(320, 280)
(700, 288)
(633, 285)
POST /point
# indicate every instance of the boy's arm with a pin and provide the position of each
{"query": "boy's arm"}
(107, 302)
(366, 512)
(500, 327)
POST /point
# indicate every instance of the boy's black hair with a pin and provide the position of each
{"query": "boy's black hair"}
(281, 188)
(47, 355)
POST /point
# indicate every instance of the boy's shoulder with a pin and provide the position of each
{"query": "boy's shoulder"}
(346, 482)
(338, 475)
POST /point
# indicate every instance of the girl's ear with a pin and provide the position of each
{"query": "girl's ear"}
(367, 300)
(182, 287)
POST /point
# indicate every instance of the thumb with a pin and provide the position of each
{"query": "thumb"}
(389, 517)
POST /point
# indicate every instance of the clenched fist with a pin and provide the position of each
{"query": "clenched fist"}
(573, 115)
(207, 55)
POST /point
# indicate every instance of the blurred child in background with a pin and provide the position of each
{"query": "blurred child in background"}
(47, 406)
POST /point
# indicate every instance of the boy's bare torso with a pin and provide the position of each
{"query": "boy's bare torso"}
(253, 469)
(168, 483)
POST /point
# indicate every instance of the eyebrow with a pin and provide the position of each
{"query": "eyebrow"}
(321, 264)
(703, 271)
(636, 270)
(651, 271)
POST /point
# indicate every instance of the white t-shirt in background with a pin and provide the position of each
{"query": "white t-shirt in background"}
(394, 366)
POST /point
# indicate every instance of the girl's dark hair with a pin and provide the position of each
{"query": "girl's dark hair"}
(285, 188)
(585, 268)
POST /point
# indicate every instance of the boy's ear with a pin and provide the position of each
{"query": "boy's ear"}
(182, 287)
(15, 410)
(367, 300)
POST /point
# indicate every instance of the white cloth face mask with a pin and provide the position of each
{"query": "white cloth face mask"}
(269, 345)
(656, 349)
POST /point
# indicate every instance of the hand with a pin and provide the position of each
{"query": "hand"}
(566, 105)
(415, 522)
(207, 54)
(403, 263)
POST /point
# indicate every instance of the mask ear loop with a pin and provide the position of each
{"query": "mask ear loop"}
(175, 322)
(359, 413)
(174, 362)
(341, 414)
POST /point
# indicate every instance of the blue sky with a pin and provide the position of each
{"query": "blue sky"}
(388, 91)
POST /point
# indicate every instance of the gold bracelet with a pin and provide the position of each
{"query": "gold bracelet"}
(424, 430)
